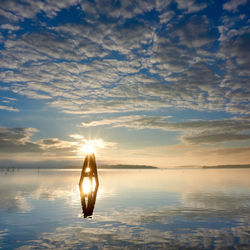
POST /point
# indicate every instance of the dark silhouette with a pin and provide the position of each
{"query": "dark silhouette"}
(90, 163)
(88, 198)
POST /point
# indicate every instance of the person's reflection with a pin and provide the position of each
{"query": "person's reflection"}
(88, 185)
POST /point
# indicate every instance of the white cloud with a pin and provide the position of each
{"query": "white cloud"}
(233, 5)
(190, 6)
(8, 26)
(196, 31)
(169, 56)
(122, 9)
(166, 16)
(9, 108)
(19, 10)
(18, 142)
(10, 98)
(73, 68)
(161, 5)
(214, 138)
(192, 131)
(116, 122)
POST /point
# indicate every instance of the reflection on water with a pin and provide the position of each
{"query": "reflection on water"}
(89, 184)
(88, 191)
(178, 209)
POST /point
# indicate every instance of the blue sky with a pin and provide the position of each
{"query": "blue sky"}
(161, 83)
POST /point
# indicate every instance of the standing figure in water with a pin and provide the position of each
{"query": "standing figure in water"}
(88, 185)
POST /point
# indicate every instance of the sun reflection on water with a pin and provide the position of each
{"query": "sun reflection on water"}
(88, 185)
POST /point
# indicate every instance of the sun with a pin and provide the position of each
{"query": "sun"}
(87, 149)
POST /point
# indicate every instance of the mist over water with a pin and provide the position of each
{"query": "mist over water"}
(134, 208)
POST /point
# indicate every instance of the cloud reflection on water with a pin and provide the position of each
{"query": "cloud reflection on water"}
(136, 209)
(158, 229)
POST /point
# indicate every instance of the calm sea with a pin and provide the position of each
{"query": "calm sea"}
(132, 209)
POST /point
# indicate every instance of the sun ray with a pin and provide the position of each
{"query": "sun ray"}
(87, 149)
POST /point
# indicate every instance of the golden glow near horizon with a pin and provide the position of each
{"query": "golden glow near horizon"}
(87, 149)
(90, 146)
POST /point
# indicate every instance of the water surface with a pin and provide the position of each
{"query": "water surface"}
(184, 209)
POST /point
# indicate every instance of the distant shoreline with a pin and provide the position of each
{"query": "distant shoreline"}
(215, 166)
(124, 167)
(120, 166)
(227, 166)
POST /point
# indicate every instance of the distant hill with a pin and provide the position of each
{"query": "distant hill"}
(228, 166)
(119, 166)
(214, 167)
(124, 166)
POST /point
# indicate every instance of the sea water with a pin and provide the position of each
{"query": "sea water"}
(143, 209)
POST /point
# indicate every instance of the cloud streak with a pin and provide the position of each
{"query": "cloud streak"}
(196, 132)
(233, 5)
(9, 108)
(19, 141)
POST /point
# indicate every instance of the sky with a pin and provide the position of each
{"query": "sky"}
(157, 82)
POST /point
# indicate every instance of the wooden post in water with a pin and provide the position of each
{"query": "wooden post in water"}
(88, 198)
(89, 169)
